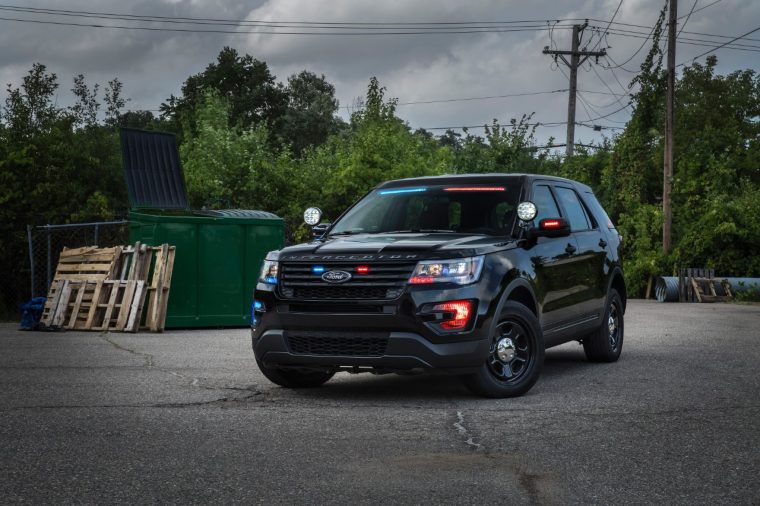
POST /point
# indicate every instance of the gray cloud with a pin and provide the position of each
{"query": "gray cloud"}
(153, 65)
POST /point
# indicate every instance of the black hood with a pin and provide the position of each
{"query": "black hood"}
(410, 245)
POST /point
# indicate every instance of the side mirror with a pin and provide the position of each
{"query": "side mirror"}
(550, 227)
(319, 230)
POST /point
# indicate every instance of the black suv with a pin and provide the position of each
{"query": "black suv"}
(474, 275)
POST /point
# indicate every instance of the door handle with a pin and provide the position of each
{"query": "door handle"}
(602, 243)
(570, 249)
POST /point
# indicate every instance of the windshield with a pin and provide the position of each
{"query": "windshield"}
(473, 209)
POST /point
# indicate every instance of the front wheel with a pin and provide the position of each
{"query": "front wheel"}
(515, 358)
(295, 378)
(606, 343)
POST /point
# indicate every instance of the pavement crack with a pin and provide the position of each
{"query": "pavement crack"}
(150, 363)
(221, 401)
(465, 433)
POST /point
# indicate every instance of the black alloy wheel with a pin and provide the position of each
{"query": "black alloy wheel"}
(515, 357)
(510, 352)
(606, 343)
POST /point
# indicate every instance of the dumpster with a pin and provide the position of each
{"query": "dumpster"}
(219, 252)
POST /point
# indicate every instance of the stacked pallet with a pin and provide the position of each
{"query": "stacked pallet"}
(106, 289)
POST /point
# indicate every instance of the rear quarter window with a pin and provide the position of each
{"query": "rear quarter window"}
(598, 211)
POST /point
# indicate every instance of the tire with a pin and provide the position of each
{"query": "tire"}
(515, 370)
(606, 343)
(295, 378)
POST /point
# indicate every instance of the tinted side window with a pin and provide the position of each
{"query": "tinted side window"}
(576, 215)
(544, 200)
(598, 211)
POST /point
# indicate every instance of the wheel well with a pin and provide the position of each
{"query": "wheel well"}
(523, 296)
(618, 283)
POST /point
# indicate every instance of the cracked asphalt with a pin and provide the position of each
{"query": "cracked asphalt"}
(185, 417)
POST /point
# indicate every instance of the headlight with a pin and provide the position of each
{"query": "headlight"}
(269, 271)
(460, 271)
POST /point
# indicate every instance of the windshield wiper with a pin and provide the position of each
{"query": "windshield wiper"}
(347, 232)
(419, 231)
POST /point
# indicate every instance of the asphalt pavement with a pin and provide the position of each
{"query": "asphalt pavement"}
(186, 417)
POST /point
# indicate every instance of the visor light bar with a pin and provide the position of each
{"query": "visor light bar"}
(403, 190)
(475, 189)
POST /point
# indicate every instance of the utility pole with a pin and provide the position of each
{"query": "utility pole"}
(667, 169)
(577, 58)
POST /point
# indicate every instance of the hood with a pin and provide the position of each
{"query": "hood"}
(409, 245)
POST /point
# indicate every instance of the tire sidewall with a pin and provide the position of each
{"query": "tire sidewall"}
(483, 380)
(614, 297)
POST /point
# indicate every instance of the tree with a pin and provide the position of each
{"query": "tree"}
(234, 167)
(380, 147)
(243, 81)
(310, 117)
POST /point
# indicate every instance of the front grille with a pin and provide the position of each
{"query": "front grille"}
(339, 292)
(384, 281)
(351, 344)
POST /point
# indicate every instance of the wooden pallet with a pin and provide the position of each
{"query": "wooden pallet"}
(104, 305)
(106, 289)
(158, 291)
(704, 288)
(88, 263)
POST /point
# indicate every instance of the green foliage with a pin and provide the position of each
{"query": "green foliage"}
(56, 165)
(233, 167)
(246, 83)
(248, 141)
(379, 148)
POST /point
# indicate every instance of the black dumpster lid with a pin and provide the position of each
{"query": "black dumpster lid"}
(152, 170)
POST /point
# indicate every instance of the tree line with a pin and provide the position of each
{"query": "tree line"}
(249, 141)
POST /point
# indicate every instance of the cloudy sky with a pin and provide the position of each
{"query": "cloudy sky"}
(414, 68)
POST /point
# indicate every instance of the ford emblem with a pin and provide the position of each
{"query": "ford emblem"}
(336, 276)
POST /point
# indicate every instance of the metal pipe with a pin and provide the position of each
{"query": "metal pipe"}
(91, 224)
(666, 287)
(743, 284)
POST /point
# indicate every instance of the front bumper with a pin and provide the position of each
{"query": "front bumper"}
(411, 342)
(405, 351)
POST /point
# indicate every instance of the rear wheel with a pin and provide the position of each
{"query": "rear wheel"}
(295, 378)
(606, 343)
(516, 355)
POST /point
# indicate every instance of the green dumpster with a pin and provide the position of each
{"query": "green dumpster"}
(219, 252)
(218, 258)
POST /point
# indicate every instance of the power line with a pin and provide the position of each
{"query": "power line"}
(608, 86)
(701, 8)
(537, 28)
(482, 98)
(692, 41)
(608, 25)
(193, 20)
(722, 45)
(649, 36)
(509, 95)
(687, 18)
(382, 28)
(485, 125)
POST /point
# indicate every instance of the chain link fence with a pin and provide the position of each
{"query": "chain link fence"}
(32, 273)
